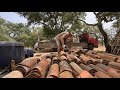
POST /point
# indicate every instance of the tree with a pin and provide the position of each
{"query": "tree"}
(3, 33)
(20, 32)
(14, 30)
(54, 22)
(106, 17)
(4, 37)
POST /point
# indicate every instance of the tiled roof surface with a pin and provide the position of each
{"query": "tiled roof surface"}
(75, 64)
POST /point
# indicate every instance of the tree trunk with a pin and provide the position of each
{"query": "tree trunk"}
(106, 41)
(104, 34)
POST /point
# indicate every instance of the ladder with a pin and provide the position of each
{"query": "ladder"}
(115, 47)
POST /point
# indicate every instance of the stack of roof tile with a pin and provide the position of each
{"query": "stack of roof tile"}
(75, 64)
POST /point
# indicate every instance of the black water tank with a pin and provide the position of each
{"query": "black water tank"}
(11, 51)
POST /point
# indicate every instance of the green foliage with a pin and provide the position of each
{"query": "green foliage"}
(19, 32)
(4, 37)
(48, 33)
(3, 32)
(54, 22)
(51, 24)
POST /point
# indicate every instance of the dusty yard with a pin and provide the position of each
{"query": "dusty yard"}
(100, 48)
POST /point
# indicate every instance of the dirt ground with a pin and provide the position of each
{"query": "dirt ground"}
(100, 48)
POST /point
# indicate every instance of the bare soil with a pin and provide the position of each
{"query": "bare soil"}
(100, 48)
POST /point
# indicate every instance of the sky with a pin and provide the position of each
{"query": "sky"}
(90, 18)
(15, 18)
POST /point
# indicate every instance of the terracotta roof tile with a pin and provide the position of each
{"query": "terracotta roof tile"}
(39, 70)
(85, 59)
(49, 77)
(64, 66)
(29, 62)
(23, 69)
(118, 61)
(63, 58)
(64, 54)
(66, 74)
(14, 74)
(106, 68)
(70, 57)
(55, 60)
(49, 60)
(76, 64)
(114, 65)
(100, 74)
(110, 71)
(107, 56)
(54, 71)
(85, 74)
(87, 68)
(97, 68)
(93, 55)
(76, 69)
(114, 74)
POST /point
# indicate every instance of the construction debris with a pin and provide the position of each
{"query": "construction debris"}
(75, 64)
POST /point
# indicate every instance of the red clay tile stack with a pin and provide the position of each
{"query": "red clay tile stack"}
(75, 64)
(14, 74)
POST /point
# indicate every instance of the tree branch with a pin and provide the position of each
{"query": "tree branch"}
(88, 23)
(106, 20)
(44, 24)
(61, 23)
(98, 14)
(95, 13)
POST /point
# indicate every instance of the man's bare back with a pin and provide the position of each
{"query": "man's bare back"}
(60, 40)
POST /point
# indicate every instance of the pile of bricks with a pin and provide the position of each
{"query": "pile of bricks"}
(75, 64)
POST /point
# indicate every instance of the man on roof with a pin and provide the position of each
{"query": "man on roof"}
(61, 40)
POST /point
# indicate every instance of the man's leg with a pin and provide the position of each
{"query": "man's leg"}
(58, 47)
